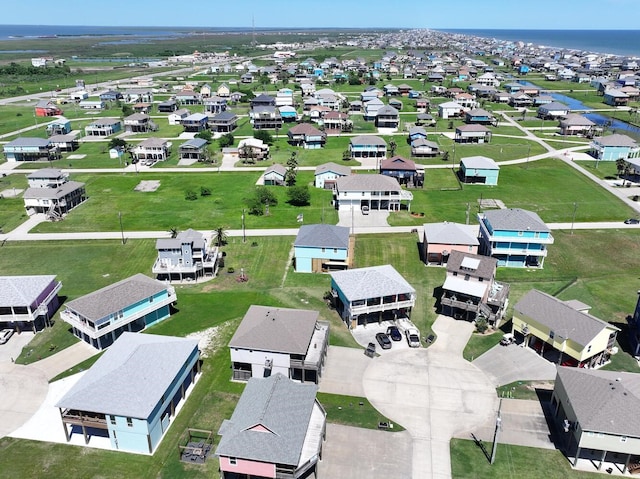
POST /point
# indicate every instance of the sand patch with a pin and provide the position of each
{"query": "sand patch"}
(10, 193)
(76, 157)
(148, 186)
(206, 340)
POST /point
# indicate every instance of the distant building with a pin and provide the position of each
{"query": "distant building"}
(28, 302)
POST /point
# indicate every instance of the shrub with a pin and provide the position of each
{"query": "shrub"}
(481, 325)
(190, 195)
(204, 191)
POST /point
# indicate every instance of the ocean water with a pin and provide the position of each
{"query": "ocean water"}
(617, 42)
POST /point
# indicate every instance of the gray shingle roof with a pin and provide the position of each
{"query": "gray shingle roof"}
(131, 377)
(23, 290)
(283, 330)
(276, 168)
(367, 182)
(46, 173)
(367, 140)
(196, 143)
(515, 219)
(116, 296)
(323, 236)
(57, 193)
(451, 233)
(24, 141)
(282, 407)
(601, 402)
(486, 265)
(616, 140)
(372, 282)
(560, 317)
(333, 167)
(576, 120)
(479, 163)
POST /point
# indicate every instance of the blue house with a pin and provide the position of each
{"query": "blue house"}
(614, 147)
(132, 305)
(326, 174)
(515, 237)
(131, 394)
(111, 95)
(524, 69)
(321, 247)
(30, 149)
(480, 116)
(479, 170)
(59, 126)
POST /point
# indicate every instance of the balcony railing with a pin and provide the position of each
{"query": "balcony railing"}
(73, 416)
(372, 308)
(519, 251)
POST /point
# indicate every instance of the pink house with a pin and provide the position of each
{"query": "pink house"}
(276, 430)
(440, 239)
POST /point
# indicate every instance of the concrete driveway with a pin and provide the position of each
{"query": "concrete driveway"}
(355, 453)
(506, 364)
(434, 393)
(356, 219)
(343, 371)
(22, 389)
(12, 348)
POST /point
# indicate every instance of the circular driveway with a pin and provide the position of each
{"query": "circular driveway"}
(22, 389)
(434, 393)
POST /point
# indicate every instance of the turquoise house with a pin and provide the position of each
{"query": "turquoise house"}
(320, 248)
(130, 305)
(517, 238)
(479, 170)
(132, 393)
(614, 147)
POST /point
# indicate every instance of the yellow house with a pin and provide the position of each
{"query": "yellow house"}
(563, 331)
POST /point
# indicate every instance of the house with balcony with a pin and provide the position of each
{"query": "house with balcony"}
(553, 110)
(276, 430)
(138, 95)
(188, 256)
(156, 149)
(423, 148)
(520, 99)
(65, 142)
(215, 105)
(336, 121)
(574, 124)
(111, 95)
(371, 108)
(132, 393)
(103, 127)
(284, 97)
(253, 149)
(615, 97)
(614, 147)
(30, 149)
(517, 238)
(28, 302)
(479, 116)
(595, 412)
(55, 200)
(367, 146)
(479, 170)
(563, 331)
(137, 123)
(263, 100)
(224, 122)
(265, 117)
(325, 175)
(403, 170)
(470, 290)
(371, 295)
(194, 149)
(440, 239)
(472, 133)
(307, 136)
(450, 109)
(132, 304)
(188, 97)
(321, 247)
(167, 106)
(59, 126)
(223, 90)
(270, 341)
(176, 117)
(387, 117)
(195, 123)
(376, 192)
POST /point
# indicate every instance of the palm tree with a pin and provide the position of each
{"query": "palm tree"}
(392, 147)
(220, 236)
(174, 232)
(620, 164)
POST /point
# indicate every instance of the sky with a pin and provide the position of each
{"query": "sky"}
(442, 14)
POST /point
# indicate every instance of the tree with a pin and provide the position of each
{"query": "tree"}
(173, 232)
(127, 110)
(261, 196)
(205, 135)
(392, 147)
(263, 135)
(620, 163)
(226, 140)
(118, 143)
(299, 195)
(220, 236)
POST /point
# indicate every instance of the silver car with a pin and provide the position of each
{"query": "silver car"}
(5, 334)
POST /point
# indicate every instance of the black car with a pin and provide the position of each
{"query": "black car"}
(394, 333)
(383, 341)
(632, 221)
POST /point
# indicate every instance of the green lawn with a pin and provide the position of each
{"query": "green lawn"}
(167, 207)
(12, 212)
(353, 411)
(469, 462)
(528, 390)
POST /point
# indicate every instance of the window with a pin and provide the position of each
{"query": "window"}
(129, 422)
(589, 349)
(151, 299)
(233, 461)
(335, 250)
(323, 250)
(623, 439)
(113, 420)
(551, 334)
(455, 273)
(466, 277)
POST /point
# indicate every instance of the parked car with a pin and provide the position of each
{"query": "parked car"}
(632, 221)
(383, 341)
(371, 350)
(5, 334)
(394, 333)
(365, 210)
(413, 337)
(507, 339)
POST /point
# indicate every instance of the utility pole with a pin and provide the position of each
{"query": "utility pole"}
(495, 435)
(468, 207)
(121, 228)
(573, 218)
(244, 236)
(528, 155)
